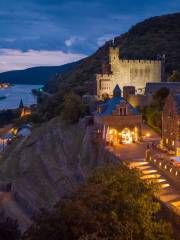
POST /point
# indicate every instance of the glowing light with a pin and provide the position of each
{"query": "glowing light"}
(165, 167)
(176, 173)
(149, 171)
(176, 204)
(161, 180)
(165, 185)
(126, 136)
(170, 170)
(151, 176)
(148, 134)
(160, 164)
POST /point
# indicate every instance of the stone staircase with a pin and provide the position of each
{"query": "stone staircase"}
(167, 194)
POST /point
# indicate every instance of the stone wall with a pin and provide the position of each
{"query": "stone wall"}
(128, 73)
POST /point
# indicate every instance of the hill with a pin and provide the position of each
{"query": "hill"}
(35, 75)
(146, 40)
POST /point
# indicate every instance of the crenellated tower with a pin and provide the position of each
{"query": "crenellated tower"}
(126, 72)
(113, 55)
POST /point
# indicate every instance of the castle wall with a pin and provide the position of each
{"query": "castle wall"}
(128, 73)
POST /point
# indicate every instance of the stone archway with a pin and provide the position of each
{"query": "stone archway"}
(126, 136)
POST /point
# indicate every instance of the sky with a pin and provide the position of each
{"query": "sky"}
(55, 32)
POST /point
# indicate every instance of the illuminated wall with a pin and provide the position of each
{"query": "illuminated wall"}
(127, 73)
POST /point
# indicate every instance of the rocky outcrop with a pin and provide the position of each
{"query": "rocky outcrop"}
(48, 165)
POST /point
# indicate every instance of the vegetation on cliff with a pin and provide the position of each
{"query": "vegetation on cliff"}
(73, 108)
(152, 113)
(114, 204)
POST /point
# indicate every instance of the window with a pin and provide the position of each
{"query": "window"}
(166, 140)
(122, 111)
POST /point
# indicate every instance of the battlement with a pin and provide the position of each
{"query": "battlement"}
(114, 58)
(125, 72)
(104, 76)
(125, 61)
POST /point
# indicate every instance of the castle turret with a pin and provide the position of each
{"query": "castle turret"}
(113, 55)
(117, 91)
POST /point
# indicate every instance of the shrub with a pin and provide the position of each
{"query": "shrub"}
(114, 204)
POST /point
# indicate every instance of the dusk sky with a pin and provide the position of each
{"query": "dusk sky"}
(54, 32)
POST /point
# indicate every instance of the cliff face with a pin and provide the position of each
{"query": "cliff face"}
(47, 166)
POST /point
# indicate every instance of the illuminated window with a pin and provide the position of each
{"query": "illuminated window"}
(166, 140)
(172, 143)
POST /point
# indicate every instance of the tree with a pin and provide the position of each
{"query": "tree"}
(159, 97)
(73, 108)
(105, 96)
(152, 113)
(114, 204)
(175, 76)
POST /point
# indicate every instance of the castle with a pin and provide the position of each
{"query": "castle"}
(127, 73)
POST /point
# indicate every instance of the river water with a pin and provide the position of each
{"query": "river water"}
(15, 93)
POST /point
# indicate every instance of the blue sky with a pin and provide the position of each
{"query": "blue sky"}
(53, 32)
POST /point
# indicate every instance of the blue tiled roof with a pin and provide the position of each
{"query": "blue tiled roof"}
(117, 90)
(110, 105)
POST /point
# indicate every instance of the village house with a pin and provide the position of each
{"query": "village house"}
(117, 120)
(171, 124)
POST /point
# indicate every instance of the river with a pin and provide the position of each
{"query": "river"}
(15, 93)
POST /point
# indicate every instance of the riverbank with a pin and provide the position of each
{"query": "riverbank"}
(15, 93)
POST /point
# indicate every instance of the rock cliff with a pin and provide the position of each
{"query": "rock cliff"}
(45, 167)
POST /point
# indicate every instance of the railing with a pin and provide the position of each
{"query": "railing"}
(163, 164)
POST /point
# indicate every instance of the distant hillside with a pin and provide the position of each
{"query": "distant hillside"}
(157, 35)
(35, 75)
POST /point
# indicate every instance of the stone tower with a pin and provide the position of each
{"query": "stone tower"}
(113, 55)
(127, 73)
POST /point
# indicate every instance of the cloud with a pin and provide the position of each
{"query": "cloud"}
(69, 42)
(72, 40)
(14, 59)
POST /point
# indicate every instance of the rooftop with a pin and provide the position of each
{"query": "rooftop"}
(110, 105)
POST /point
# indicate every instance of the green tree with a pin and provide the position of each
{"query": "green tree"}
(175, 76)
(73, 108)
(152, 113)
(114, 204)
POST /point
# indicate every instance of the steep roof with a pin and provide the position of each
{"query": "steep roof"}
(117, 91)
(110, 105)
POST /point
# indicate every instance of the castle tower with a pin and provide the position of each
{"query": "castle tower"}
(113, 55)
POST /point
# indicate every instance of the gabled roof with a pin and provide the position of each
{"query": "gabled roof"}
(110, 105)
